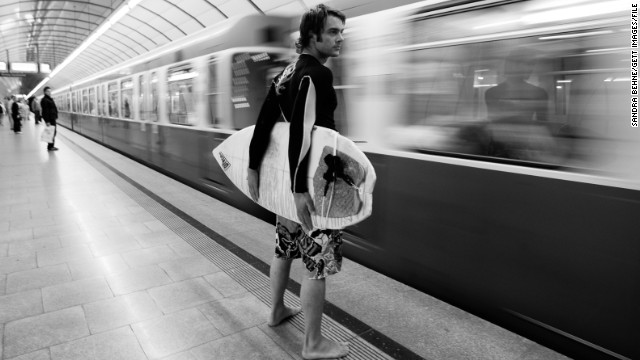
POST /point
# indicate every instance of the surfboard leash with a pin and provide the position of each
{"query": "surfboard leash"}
(333, 184)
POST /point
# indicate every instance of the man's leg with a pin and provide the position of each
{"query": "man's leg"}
(279, 276)
(315, 345)
(51, 145)
(286, 250)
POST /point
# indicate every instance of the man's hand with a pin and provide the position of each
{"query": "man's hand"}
(304, 209)
(253, 178)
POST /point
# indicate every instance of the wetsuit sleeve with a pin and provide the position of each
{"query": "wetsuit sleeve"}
(309, 97)
(269, 114)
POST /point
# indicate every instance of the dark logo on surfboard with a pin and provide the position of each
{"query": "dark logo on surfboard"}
(225, 163)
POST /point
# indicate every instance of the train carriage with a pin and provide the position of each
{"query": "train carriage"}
(516, 208)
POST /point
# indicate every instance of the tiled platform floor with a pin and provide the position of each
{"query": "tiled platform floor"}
(91, 268)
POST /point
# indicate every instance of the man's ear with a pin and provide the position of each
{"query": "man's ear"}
(313, 37)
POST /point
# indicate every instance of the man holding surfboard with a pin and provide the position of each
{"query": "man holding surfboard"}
(303, 94)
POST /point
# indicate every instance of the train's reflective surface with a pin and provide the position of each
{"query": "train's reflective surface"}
(508, 173)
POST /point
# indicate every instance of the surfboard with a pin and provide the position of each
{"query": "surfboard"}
(340, 178)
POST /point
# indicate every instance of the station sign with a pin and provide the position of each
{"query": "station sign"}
(19, 69)
(23, 67)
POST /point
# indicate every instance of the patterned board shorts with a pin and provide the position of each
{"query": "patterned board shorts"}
(321, 251)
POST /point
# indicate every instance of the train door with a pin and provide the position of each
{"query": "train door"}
(155, 142)
(142, 112)
(212, 176)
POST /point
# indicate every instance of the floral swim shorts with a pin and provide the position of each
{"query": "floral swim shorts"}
(321, 251)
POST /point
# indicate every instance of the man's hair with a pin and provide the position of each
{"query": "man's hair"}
(312, 22)
(46, 88)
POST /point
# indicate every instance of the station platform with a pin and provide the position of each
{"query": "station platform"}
(103, 258)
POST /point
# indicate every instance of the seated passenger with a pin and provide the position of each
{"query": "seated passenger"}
(517, 114)
(515, 99)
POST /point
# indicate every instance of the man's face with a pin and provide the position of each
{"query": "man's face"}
(47, 92)
(331, 37)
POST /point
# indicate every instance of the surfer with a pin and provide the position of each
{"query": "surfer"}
(303, 93)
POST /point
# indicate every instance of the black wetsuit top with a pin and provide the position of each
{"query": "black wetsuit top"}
(292, 92)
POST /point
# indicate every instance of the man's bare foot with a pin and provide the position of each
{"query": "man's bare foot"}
(325, 349)
(282, 314)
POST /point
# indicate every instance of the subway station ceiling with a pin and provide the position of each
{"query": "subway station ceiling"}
(48, 31)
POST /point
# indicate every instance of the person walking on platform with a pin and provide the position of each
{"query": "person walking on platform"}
(290, 94)
(49, 115)
(15, 115)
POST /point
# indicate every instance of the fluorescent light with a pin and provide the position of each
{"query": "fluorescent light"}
(564, 81)
(500, 23)
(118, 14)
(171, 47)
(575, 12)
(24, 67)
(609, 49)
(44, 81)
(134, 3)
(575, 35)
(183, 76)
(121, 12)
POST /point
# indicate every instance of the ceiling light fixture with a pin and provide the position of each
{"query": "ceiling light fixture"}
(112, 20)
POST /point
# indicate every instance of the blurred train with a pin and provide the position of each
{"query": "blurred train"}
(500, 132)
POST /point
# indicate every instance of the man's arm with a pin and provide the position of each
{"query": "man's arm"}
(267, 118)
(302, 120)
(45, 110)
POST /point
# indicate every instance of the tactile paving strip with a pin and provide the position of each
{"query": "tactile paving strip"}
(250, 278)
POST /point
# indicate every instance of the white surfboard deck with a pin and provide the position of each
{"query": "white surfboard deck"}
(343, 204)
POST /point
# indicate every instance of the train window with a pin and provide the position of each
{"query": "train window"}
(74, 101)
(85, 101)
(126, 93)
(181, 104)
(142, 106)
(92, 101)
(100, 100)
(213, 93)
(112, 99)
(105, 100)
(251, 77)
(525, 98)
(153, 97)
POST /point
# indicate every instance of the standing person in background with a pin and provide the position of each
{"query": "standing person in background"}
(25, 110)
(3, 111)
(303, 92)
(15, 115)
(36, 109)
(9, 107)
(49, 115)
